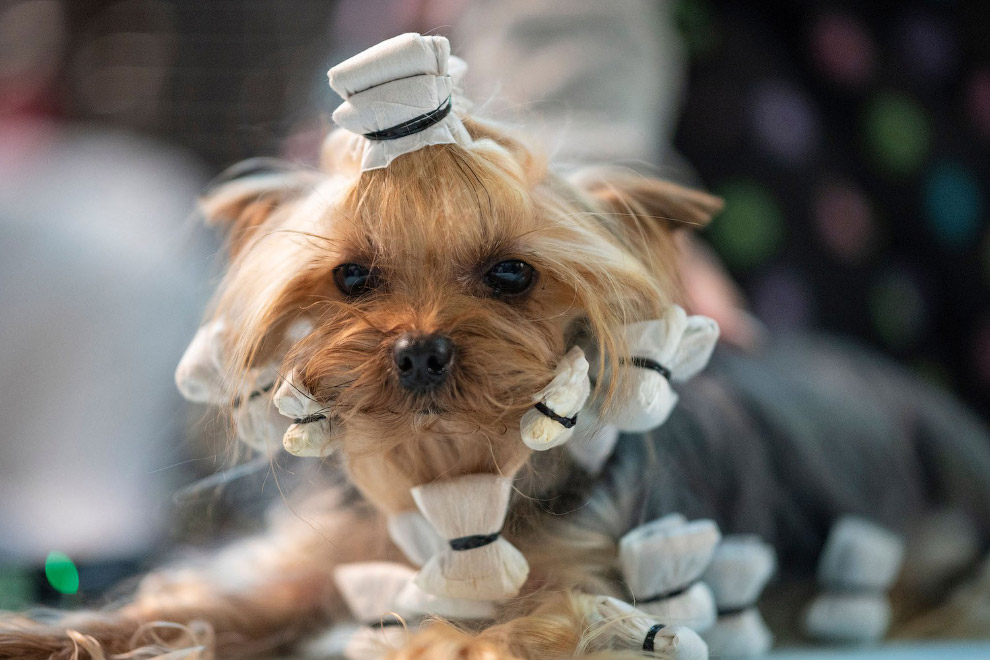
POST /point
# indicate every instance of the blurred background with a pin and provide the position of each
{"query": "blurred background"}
(850, 141)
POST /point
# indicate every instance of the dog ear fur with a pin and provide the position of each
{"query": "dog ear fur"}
(244, 196)
(629, 194)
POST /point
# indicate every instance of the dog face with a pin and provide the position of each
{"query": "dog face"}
(441, 292)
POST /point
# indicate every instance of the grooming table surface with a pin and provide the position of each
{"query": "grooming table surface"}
(939, 651)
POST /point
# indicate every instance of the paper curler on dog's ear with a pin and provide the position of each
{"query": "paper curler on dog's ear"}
(612, 625)
(399, 96)
(201, 378)
(477, 563)
(311, 428)
(551, 420)
(671, 349)
(662, 562)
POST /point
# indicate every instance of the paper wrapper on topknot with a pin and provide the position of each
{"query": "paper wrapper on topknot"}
(671, 349)
(394, 84)
(612, 625)
(662, 563)
(857, 567)
(740, 569)
(468, 512)
(551, 421)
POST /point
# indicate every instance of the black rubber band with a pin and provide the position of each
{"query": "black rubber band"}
(309, 419)
(566, 422)
(733, 611)
(471, 542)
(414, 125)
(386, 623)
(254, 395)
(667, 594)
(647, 363)
(651, 636)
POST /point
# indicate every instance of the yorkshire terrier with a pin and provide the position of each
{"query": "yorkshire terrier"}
(439, 292)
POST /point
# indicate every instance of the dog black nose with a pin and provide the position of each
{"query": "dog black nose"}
(422, 361)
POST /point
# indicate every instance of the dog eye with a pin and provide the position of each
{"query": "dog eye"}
(354, 279)
(510, 277)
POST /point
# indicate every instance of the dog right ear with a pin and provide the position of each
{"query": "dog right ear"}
(243, 197)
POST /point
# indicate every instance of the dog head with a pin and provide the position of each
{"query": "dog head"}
(441, 291)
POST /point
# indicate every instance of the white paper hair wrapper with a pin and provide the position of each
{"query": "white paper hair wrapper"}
(613, 625)
(552, 419)
(400, 96)
(739, 570)
(673, 348)
(477, 563)
(310, 431)
(417, 539)
(200, 377)
(662, 562)
(369, 589)
(858, 565)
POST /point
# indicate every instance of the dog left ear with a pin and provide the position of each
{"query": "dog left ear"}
(642, 198)
(245, 195)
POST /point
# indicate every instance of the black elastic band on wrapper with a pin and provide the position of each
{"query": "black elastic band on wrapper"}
(471, 542)
(566, 422)
(414, 125)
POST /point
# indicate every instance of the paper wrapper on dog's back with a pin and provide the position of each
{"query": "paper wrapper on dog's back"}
(370, 589)
(399, 95)
(662, 563)
(739, 571)
(551, 421)
(613, 625)
(477, 563)
(310, 431)
(858, 565)
(673, 348)
(200, 378)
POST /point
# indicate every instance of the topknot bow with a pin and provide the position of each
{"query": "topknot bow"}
(399, 95)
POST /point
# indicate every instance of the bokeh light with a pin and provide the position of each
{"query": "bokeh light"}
(928, 47)
(898, 133)
(844, 219)
(783, 301)
(842, 49)
(978, 101)
(61, 573)
(751, 228)
(953, 203)
(784, 121)
(898, 309)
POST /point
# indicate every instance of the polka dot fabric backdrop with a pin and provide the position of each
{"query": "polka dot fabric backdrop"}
(851, 142)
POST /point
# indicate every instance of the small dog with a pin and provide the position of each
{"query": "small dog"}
(440, 292)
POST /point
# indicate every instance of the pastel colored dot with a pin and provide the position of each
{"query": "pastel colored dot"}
(784, 121)
(953, 203)
(751, 228)
(897, 309)
(782, 300)
(844, 220)
(842, 49)
(928, 47)
(978, 101)
(697, 24)
(61, 573)
(898, 133)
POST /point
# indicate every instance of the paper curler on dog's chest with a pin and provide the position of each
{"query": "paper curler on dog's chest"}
(476, 563)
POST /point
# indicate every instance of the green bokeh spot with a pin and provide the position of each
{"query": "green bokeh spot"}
(16, 588)
(695, 20)
(898, 133)
(751, 228)
(61, 573)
